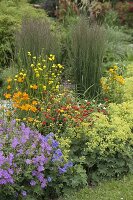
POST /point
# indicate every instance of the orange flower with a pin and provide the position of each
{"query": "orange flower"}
(25, 107)
(33, 108)
(17, 95)
(25, 96)
(7, 96)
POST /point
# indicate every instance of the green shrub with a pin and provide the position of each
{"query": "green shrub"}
(104, 147)
(7, 29)
(11, 13)
(117, 45)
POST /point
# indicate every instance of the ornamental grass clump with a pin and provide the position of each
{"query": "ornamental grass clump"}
(29, 162)
(36, 36)
(86, 48)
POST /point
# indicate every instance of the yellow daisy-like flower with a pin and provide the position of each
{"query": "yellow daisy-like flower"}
(7, 96)
(20, 80)
(34, 87)
(52, 57)
(8, 87)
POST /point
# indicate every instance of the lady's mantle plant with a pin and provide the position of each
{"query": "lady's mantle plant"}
(30, 163)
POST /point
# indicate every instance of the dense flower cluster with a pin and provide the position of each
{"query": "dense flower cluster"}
(28, 158)
(42, 76)
(112, 84)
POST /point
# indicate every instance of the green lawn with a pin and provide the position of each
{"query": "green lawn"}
(113, 190)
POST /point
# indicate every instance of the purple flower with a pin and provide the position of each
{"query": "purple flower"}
(40, 168)
(49, 179)
(69, 164)
(34, 173)
(11, 171)
(24, 193)
(44, 183)
(62, 170)
(32, 183)
(15, 142)
(55, 144)
(40, 177)
(28, 161)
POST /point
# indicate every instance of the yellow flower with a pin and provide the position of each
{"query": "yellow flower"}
(34, 57)
(44, 67)
(32, 65)
(20, 80)
(34, 87)
(57, 86)
(37, 75)
(9, 80)
(25, 107)
(17, 119)
(30, 119)
(44, 87)
(121, 80)
(52, 57)
(111, 70)
(50, 82)
(33, 108)
(60, 66)
(39, 64)
(8, 87)
(7, 96)
(34, 103)
(29, 53)
(115, 67)
(61, 111)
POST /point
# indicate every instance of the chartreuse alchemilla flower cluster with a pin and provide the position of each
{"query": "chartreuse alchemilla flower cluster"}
(28, 159)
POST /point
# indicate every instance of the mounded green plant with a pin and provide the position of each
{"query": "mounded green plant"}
(104, 147)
